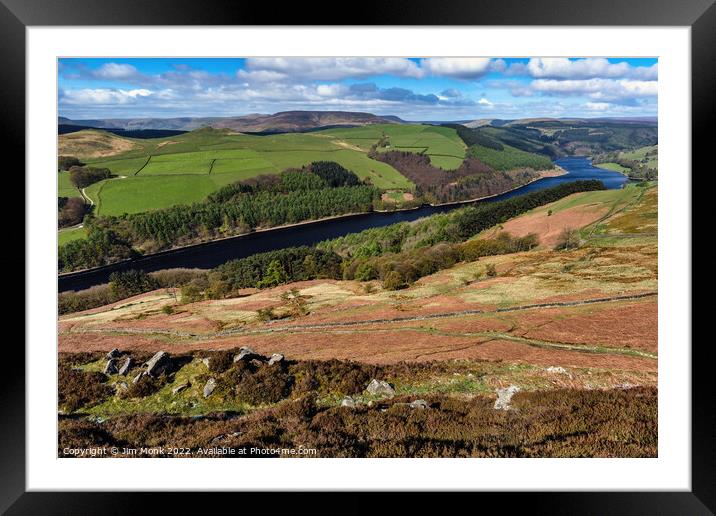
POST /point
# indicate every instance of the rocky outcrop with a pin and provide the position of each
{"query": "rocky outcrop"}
(380, 388)
(158, 364)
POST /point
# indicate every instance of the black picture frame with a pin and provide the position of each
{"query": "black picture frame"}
(700, 15)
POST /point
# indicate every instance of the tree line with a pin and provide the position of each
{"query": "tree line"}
(471, 180)
(397, 255)
(319, 190)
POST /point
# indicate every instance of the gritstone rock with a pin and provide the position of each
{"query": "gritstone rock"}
(380, 388)
(111, 366)
(209, 387)
(125, 367)
(504, 396)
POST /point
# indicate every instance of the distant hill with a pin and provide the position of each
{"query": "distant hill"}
(557, 137)
(285, 121)
(93, 144)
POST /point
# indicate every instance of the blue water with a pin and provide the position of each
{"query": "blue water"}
(211, 254)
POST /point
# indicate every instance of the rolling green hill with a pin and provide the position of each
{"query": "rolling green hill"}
(442, 144)
(163, 172)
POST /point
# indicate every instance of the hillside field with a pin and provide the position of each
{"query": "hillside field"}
(571, 334)
(611, 276)
(159, 173)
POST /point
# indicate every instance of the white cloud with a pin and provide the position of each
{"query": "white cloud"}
(601, 89)
(102, 96)
(330, 90)
(116, 71)
(597, 106)
(483, 101)
(457, 67)
(595, 67)
(326, 68)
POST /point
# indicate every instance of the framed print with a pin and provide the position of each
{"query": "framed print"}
(442, 250)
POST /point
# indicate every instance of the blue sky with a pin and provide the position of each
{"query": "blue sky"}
(413, 89)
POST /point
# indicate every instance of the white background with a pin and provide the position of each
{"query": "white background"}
(671, 470)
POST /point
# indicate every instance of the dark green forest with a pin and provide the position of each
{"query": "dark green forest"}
(397, 255)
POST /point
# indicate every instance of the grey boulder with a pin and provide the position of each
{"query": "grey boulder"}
(209, 387)
(380, 388)
(348, 402)
(113, 354)
(246, 353)
(419, 404)
(158, 363)
(111, 366)
(126, 366)
(275, 359)
(504, 396)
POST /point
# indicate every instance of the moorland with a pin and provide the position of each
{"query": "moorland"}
(521, 327)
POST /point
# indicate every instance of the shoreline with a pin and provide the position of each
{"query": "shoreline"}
(557, 168)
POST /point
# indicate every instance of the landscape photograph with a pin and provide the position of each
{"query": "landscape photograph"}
(357, 257)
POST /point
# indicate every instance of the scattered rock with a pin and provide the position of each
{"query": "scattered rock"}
(348, 402)
(224, 437)
(206, 361)
(625, 386)
(158, 363)
(256, 362)
(380, 388)
(179, 388)
(209, 387)
(111, 366)
(136, 378)
(556, 370)
(419, 404)
(504, 396)
(113, 354)
(126, 366)
(275, 359)
(246, 353)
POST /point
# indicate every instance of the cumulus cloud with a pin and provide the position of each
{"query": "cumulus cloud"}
(457, 67)
(102, 96)
(327, 68)
(601, 89)
(269, 85)
(116, 71)
(588, 68)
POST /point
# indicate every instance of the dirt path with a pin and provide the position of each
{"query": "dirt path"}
(87, 197)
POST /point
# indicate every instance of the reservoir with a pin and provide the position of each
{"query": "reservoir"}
(211, 254)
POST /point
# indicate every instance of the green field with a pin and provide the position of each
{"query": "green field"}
(70, 234)
(64, 187)
(616, 167)
(442, 144)
(164, 172)
(640, 154)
